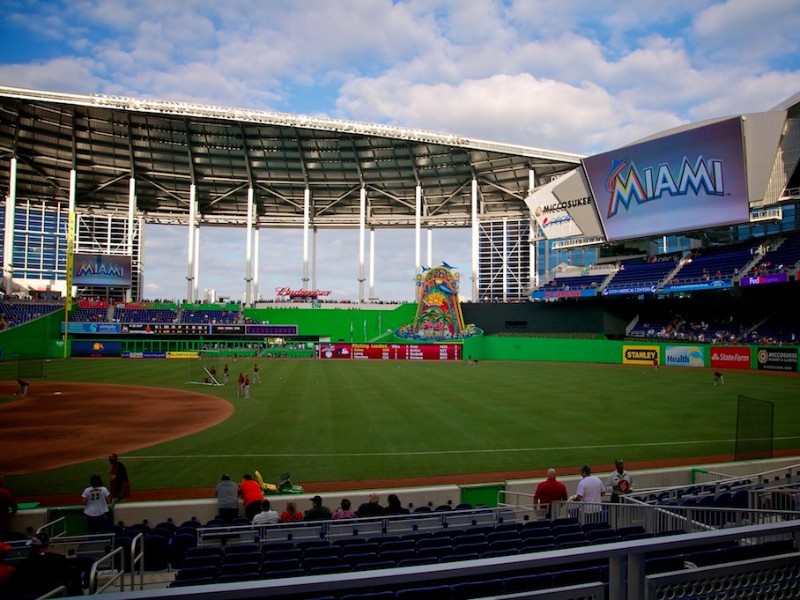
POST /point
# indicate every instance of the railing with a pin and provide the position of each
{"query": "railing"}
(627, 579)
(137, 561)
(364, 528)
(119, 574)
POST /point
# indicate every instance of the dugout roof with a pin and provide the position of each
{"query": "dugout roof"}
(167, 146)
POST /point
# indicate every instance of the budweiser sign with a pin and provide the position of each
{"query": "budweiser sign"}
(285, 291)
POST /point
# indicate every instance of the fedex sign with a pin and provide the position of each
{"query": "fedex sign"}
(688, 180)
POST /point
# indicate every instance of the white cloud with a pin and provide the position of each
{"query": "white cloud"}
(567, 75)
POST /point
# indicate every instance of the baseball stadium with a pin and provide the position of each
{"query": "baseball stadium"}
(638, 305)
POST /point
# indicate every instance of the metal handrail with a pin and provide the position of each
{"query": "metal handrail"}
(137, 560)
(118, 576)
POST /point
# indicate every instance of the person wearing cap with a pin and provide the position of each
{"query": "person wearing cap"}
(119, 483)
(317, 512)
(590, 490)
(8, 506)
(227, 493)
(267, 516)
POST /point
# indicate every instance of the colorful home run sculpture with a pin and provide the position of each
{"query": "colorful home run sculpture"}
(438, 315)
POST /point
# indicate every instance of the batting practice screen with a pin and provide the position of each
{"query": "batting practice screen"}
(754, 428)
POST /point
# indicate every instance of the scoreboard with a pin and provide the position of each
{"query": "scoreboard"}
(390, 351)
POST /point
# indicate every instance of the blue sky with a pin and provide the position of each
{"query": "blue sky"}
(568, 75)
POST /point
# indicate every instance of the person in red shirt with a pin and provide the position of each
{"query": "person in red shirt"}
(251, 495)
(549, 491)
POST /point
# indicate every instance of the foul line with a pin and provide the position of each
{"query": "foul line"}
(445, 452)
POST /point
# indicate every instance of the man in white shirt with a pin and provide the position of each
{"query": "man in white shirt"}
(267, 516)
(590, 490)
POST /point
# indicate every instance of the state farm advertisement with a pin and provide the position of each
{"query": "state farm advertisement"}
(730, 357)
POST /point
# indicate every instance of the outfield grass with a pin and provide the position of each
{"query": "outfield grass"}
(351, 420)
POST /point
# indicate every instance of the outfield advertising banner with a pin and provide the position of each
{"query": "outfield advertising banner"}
(730, 357)
(630, 290)
(639, 355)
(690, 180)
(717, 284)
(390, 351)
(552, 294)
(137, 355)
(96, 349)
(684, 356)
(765, 279)
(103, 328)
(777, 359)
(101, 270)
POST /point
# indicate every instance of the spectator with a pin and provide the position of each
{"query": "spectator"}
(227, 493)
(549, 490)
(590, 490)
(8, 506)
(120, 485)
(251, 495)
(620, 482)
(6, 570)
(317, 512)
(267, 516)
(371, 508)
(291, 514)
(42, 571)
(344, 511)
(393, 506)
(95, 498)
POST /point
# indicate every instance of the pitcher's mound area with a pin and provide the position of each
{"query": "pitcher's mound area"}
(60, 424)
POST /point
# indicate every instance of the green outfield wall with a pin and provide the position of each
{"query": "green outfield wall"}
(40, 338)
(339, 324)
(490, 347)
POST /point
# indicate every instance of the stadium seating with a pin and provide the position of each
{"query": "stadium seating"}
(641, 275)
(17, 313)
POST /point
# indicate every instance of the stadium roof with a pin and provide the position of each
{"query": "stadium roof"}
(167, 146)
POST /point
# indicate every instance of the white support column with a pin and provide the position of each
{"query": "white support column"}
(314, 259)
(73, 198)
(475, 240)
(129, 245)
(196, 282)
(306, 212)
(8, 246)
(504, 268)
(248, 276)
(417, 230)
(256, 236)
(371, 262)
(73, 189)
(533, 236)
(190, 254)
(362, 224)
(430, 247)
